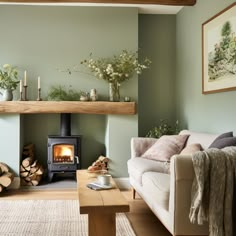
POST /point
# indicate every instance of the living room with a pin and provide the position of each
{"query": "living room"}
(44, 38)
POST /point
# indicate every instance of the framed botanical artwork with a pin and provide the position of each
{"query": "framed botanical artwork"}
(219, 52)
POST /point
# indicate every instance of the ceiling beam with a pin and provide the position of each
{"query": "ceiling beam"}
(154, 2)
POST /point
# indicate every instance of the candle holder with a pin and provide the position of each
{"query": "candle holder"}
(39, 95)
(21, 97)
(25, 92)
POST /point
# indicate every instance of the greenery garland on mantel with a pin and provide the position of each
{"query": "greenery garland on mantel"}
(60, 93)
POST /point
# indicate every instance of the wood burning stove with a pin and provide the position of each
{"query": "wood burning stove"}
(64, 151)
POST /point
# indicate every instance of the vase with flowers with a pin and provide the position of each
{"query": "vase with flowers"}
(8, 81)
(116, 70)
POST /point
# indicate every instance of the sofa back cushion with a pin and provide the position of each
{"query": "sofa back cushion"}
(224, 140)
(204, 139)
(165, 147)
(191, 148)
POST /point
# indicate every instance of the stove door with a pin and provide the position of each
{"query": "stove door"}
(63, 154)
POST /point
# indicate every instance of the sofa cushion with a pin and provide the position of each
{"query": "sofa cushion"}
(191, 148)
(157, 186)
(165, 147)
(224, 140)
(137, 166)
(204, 139)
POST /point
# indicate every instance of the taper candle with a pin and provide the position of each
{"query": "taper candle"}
(25, 79)
(20, 86)
(39, 87)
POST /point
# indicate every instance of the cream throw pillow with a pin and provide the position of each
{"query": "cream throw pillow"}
(191, 148)
(165, 147)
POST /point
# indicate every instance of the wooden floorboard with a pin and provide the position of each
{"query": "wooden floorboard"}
(140, 216)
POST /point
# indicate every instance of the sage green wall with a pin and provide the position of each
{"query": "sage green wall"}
(209, 113)
(10, 141)
(41, 39)
(157, 85)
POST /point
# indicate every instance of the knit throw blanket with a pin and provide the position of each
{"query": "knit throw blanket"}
(213, 190)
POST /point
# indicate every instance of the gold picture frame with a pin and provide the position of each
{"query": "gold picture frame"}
(219, 52)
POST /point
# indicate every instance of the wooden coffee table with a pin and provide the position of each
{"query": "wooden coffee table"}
(101, 206)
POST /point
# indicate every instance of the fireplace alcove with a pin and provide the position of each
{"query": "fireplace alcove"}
(117, 114)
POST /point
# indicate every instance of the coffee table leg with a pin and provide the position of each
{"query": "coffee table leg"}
(102, 224)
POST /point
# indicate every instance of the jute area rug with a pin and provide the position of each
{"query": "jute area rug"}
(50, 218)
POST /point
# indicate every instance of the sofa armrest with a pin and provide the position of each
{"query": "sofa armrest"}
(181, 178)
(182, 167)
(140, 144)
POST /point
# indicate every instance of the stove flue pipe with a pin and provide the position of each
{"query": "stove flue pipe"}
(65, 124)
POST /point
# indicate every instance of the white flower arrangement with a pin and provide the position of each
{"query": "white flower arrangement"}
(118, 68)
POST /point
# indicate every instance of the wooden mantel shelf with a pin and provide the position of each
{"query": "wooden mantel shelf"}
(98, 107)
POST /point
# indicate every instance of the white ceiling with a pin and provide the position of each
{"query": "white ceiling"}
(142, 8)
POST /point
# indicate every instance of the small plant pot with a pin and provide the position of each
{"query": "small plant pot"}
(7, 95)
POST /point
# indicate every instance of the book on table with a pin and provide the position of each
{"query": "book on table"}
(98, 186)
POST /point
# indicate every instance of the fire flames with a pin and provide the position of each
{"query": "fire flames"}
(63, 153)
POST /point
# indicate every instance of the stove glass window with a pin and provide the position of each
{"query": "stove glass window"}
(63, 153)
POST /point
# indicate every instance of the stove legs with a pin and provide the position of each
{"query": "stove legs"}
(50, 176)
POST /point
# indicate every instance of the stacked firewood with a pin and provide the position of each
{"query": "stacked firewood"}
(101, 164)
(31, 171)
(28, 151)
(6, 177)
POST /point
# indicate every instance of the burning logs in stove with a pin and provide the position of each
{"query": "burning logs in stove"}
(31, 172)
(6, 177)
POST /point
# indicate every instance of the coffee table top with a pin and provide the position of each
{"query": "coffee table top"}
(110, 200)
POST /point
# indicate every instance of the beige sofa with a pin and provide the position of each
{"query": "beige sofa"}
(167, 194)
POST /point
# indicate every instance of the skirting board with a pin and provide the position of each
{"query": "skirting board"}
(123, 183)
